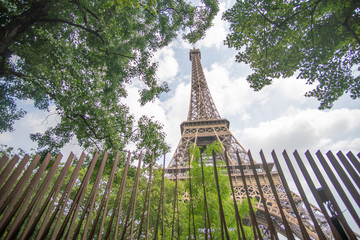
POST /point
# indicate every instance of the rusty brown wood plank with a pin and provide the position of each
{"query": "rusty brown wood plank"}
(207, 215)
(93, 197)
(112, 175)
(118, 202)
(288, 231)
(11, 200)
(37, 199)
(64, 200)
(75, 206)
(255, 225)
(338, 187)
(43, 232)
(20, 207)
(7, 168)
(10, 182)
(239, 225)
(104, 201)
(354, 161)
(221, 210)
(289, 195)
(132, 202)
(315, 193)
(149, 200)
(175, 200)
(146, 202)
(3, 162)
(191, 209)
(303, 196)
(326, 188)
(267, 214)
(29, 230)
(344, 177)
(135, 197)
(160, 199)
(350, 169)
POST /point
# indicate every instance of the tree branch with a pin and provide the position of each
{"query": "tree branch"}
(346, 25)
(287, 19)
(119, 54)
(92, 13)
(95, 143)
(29, 79)
(72, 24)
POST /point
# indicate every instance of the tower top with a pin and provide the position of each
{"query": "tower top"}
(202, 106)
(195, 52)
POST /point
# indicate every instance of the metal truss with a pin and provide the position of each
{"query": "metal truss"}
(204, 126)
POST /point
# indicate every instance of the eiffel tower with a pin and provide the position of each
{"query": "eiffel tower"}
(203, 126)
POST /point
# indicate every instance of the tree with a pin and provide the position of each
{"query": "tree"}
(79, 56)
(195, 210)
(317, 39)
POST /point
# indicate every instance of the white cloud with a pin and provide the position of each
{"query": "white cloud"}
(168, 66)
(290, 88)
(306, 129)
(232, 96)
(215, 36)
(176, 111)
(39, 121)
(6, 138)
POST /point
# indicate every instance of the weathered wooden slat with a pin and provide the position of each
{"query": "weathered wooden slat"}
(136, 183)
(132, 202)
(338, 187)
(61, 205)
(239, 225)
(23, 208)
(3, 162)
(348, 184)
(326, 188)
(354, 161)
(21, 204)
(315, 194)
(263, 199)
(11, 200)
(118, 202)
(75, 206)
(104, 200)
(90, 202)
(288, 231)
(37, 199)
(255, 225)
(160, 200)
(350, 169)
(7, 169)
(8, 185)
(318, 230)
(289, 195)
(29, 230)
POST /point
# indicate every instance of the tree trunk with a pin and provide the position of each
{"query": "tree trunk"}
(19, 24)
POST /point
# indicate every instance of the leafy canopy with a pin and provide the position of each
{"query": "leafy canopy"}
(317, 39)
(79, 56)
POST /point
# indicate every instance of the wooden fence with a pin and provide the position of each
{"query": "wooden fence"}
(108, 197)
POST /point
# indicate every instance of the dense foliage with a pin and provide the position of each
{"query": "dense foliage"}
(79, 57)
(317, 39)
(193, 214)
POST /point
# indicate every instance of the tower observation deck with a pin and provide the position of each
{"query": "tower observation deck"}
(203, 126)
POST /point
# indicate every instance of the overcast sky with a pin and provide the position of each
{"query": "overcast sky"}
(278, 117)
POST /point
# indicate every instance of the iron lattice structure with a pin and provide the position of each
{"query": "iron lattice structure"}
(204, 126)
